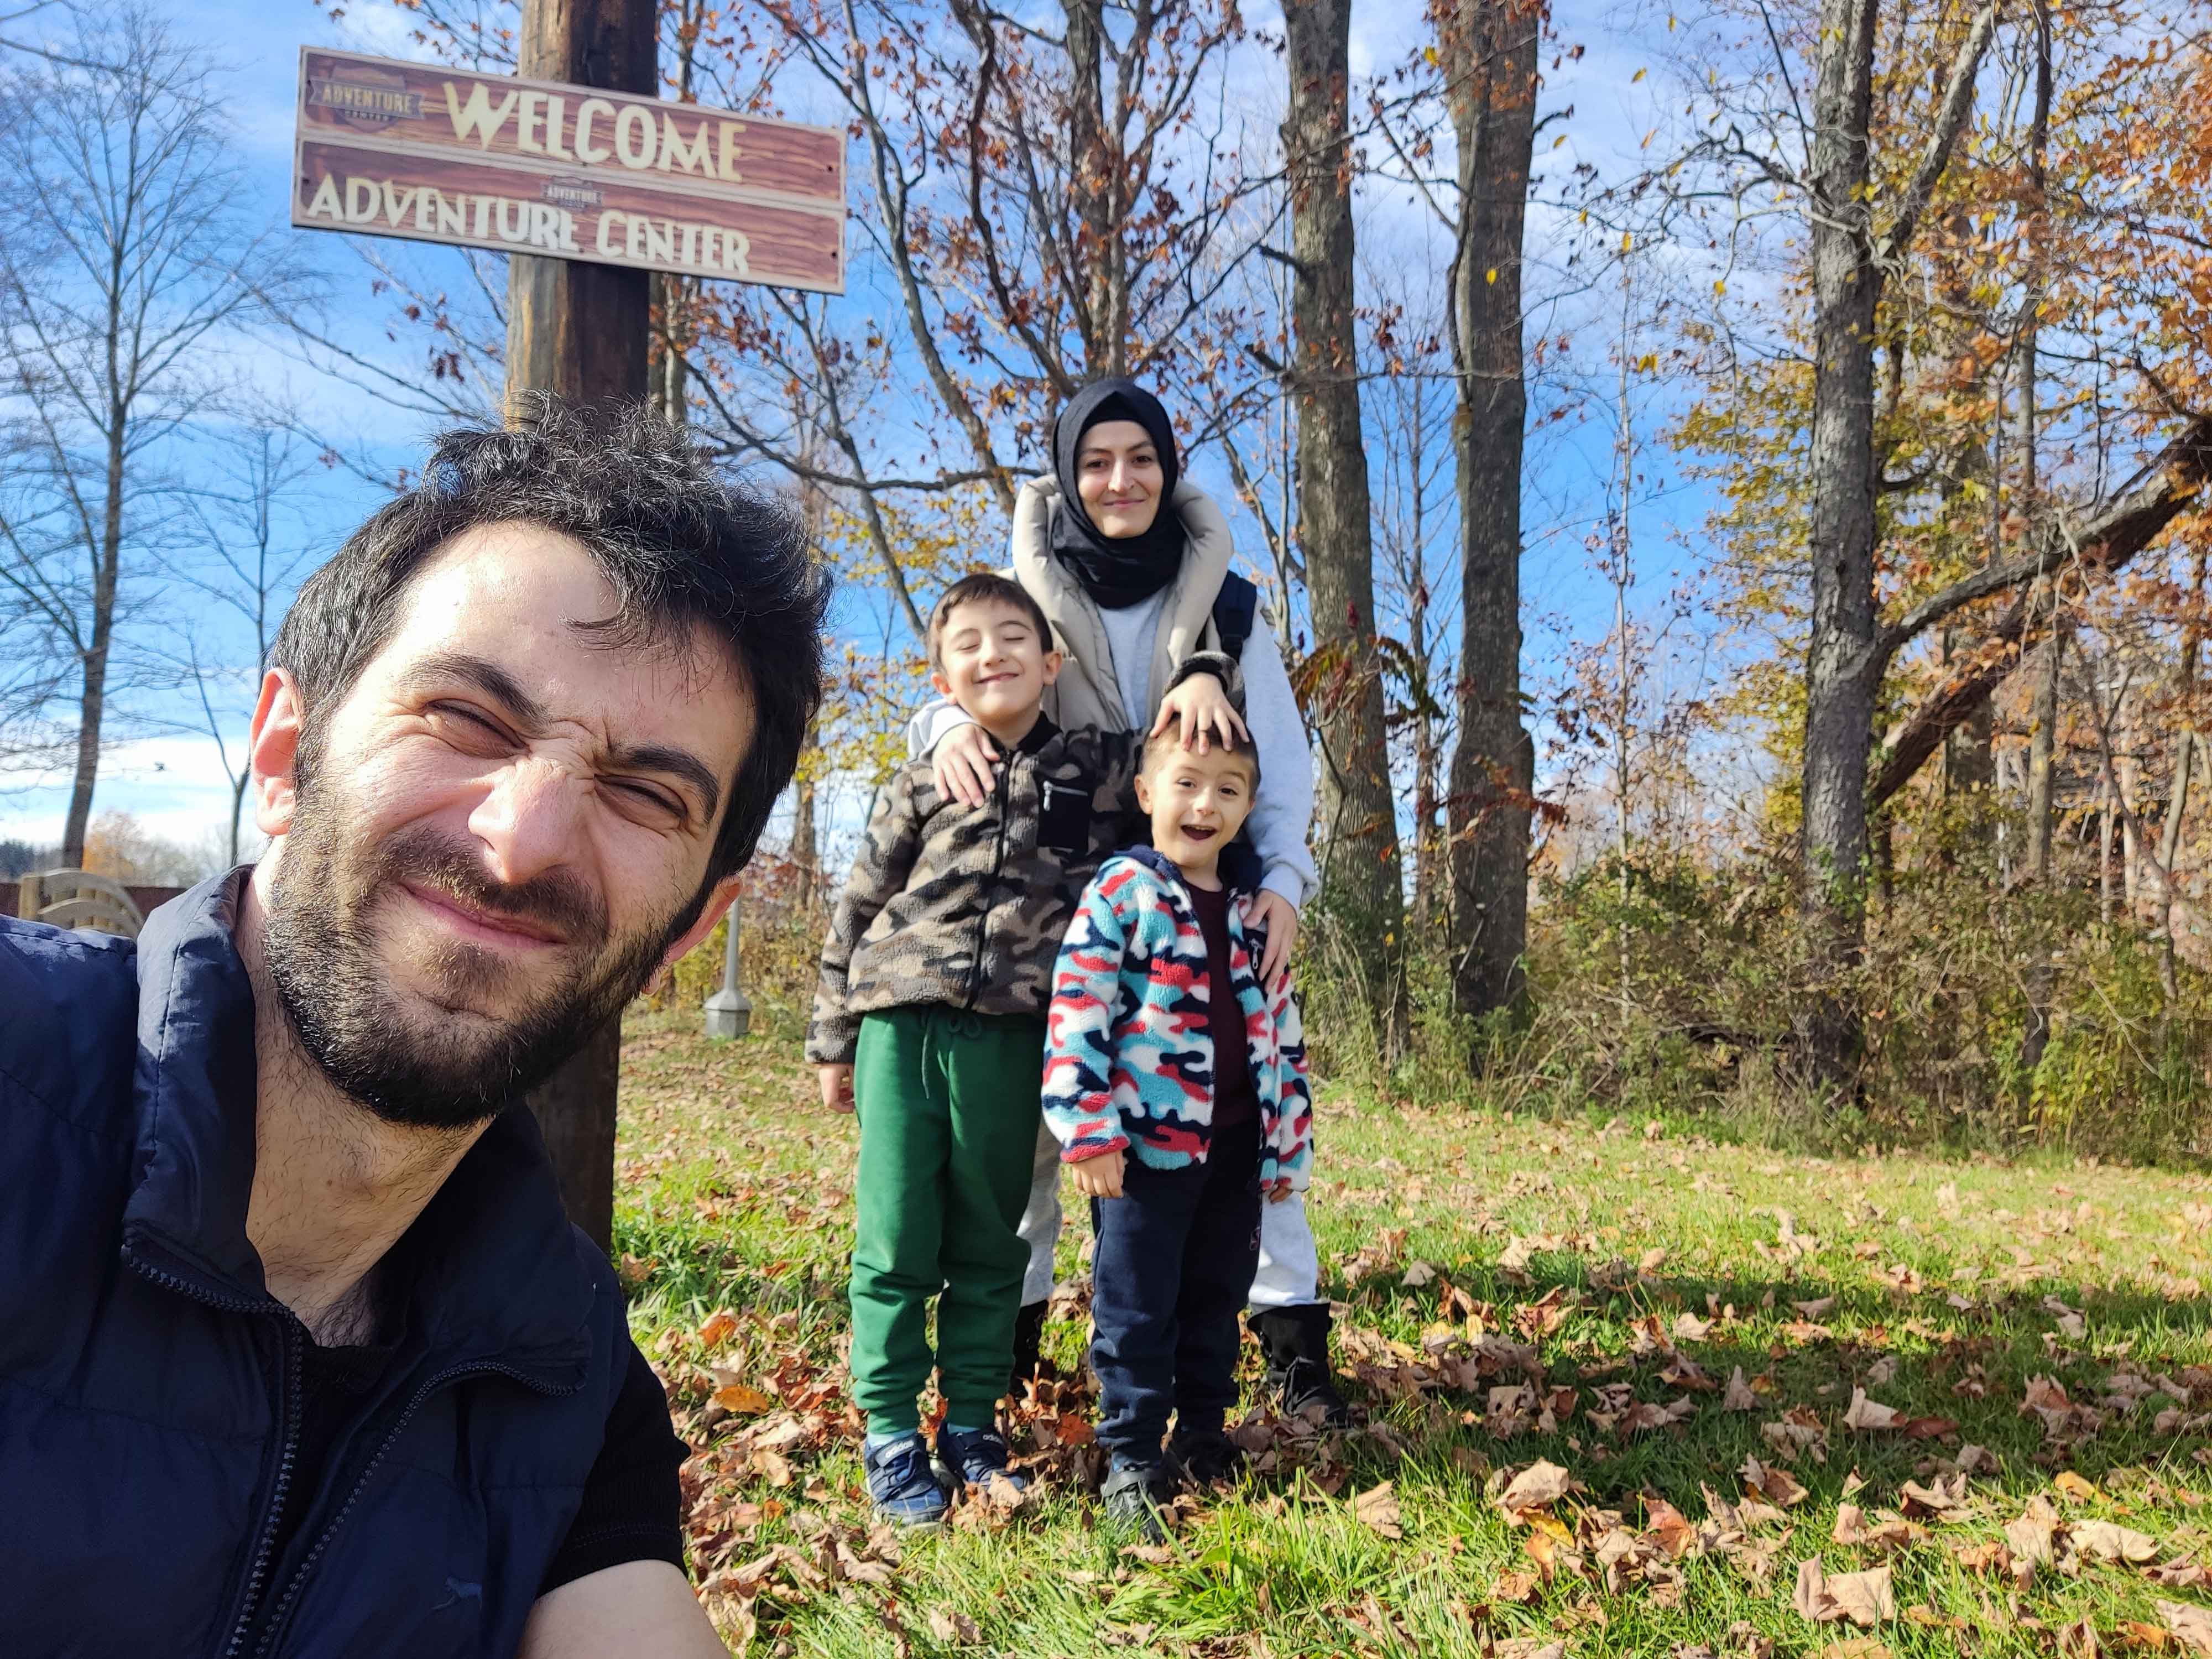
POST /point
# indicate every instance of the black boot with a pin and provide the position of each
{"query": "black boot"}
(1029, 1336)
(1296, 1343)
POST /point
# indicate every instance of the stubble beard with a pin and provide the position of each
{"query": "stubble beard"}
(435, 1060)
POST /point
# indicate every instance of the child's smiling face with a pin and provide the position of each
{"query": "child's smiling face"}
(992, 664)
(1197, 804)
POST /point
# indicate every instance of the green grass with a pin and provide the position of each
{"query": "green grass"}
(1953, 1285)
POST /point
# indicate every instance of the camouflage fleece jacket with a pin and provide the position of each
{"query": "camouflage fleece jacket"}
(1129, 1058)
(966, 906)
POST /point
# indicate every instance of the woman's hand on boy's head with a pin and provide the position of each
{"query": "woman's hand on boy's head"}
(965, 765)
(1202, 705)
(1100, 1177)
(836, 1086)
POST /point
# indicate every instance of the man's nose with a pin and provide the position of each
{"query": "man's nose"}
(531, 819)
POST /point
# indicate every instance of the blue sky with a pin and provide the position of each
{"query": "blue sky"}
(174, 782)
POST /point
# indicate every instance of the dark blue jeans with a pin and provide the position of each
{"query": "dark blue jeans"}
(1174, 1263)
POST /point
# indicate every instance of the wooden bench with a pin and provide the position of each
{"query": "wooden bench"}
(77, 898)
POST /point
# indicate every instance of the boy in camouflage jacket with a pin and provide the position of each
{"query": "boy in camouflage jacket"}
(928, 1018)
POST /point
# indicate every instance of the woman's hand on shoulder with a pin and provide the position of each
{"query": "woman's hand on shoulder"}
(965, 766)
(1201, 706)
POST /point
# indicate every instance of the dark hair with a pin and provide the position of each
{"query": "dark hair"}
(1160, 743)
(985, 588)
(680, 544)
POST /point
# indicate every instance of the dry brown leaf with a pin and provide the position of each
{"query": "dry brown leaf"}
(2192, 1626)
(1670, 1529)
(720, 1326)
(1538, 1487)
(1864, 1598)
(2108, 1541)
(1377, 1509)
(1777, 1486)
(739, 1398)
(1865, 1413)
(1995, 1555)
(954, 1629)
(1515, 1588)
(1738, 1396)
(2074, 1486)
(2032, 1535)
(772, 1465)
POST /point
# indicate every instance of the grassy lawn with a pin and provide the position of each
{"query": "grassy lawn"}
(1610, 1380)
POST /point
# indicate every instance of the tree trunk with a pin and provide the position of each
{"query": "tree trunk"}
(1491, 45)
(806, 839)
(91, 705)
(1335, 528)
(1842, 665)
(580, 332)
(2042, 759)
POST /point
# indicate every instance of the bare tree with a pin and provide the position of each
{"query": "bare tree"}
(247, 560)
(124, 261)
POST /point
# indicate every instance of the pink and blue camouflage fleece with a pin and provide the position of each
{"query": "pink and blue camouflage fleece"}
(1128, 1056)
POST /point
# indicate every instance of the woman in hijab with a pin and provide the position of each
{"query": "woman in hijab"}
(1130, 562)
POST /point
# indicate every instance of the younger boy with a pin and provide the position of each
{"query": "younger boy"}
(1177, 1088)
(929, 1018)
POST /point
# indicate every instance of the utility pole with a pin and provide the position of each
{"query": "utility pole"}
(579, 332)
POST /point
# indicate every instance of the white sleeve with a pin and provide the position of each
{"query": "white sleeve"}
(935, 721)
(1282, 811)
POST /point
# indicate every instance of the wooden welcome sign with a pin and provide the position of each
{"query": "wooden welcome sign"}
(390, 149)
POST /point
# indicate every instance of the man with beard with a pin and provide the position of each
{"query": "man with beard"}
(298, 1352)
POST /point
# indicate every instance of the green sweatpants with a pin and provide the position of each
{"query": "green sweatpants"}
(948, 1108)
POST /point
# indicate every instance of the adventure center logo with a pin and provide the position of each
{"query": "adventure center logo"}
(365, 97)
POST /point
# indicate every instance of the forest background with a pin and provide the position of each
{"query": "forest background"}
(1725, 480)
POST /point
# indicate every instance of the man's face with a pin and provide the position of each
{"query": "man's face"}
(497, 831)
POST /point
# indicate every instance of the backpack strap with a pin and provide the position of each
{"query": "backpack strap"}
(1235, 612)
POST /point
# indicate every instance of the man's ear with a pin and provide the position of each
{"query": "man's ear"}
(1053, 660)
(272, 750)
(718, 903)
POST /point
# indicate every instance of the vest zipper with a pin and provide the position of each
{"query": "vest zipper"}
(288, 1418)
(1005, 790)
(452, 1374)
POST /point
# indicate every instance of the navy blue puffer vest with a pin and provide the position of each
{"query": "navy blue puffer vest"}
(149, 1385)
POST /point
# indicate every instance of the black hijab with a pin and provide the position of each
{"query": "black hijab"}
(1116, 571)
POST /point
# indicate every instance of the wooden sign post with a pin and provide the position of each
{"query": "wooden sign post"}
(590, 182)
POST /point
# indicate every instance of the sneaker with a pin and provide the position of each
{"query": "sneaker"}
(1132, 1495)
(973, 1457)
(902, 1483)
(1204, 1456)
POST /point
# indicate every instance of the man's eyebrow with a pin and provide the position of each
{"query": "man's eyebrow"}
(495, 683)
(488, 677)
(676, 762)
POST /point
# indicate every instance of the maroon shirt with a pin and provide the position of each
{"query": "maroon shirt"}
(1234, 1101)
